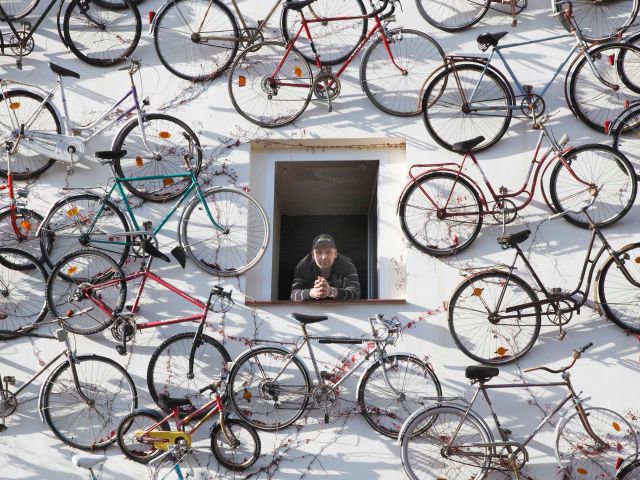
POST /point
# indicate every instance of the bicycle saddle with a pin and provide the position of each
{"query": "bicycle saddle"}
(477, 372)
(110, 154)
(88, 461)
(510, 239)
(486, 40)
(465, 146)
(302, 318)
(167, 403)
(297, 5)
(63, 71)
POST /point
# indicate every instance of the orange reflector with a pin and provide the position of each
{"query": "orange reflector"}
(164, 134)
(242, 81)
(167, 181)
(25, 224)
(582, 471)
(247, 395)
(501, 351)
(637, 259)
(626, 104)
(72, 212)
(477, 292)
(616, 426)
(298, 71)
(139, 161)
(72, 270)
(14, 105)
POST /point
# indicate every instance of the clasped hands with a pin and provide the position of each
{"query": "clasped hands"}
(321, 288)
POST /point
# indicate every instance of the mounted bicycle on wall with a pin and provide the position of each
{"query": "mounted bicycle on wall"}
(98, 32)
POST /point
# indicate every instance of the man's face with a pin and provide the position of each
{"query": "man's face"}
(324, 256)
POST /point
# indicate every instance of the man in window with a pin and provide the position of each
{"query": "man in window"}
(325, 274)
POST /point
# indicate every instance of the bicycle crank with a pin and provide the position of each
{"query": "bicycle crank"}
(326, 86)
(8, 404)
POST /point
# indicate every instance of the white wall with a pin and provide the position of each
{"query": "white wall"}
(346, 446)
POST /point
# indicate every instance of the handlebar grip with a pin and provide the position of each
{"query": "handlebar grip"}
(204, 389)
(587, 346)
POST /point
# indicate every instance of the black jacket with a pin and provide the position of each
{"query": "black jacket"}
(344, 277)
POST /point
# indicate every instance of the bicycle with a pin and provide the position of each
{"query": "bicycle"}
(198, 40)
(441, 208)
(270, 386)
(494, 315)
(99, 32)
(222, 229)
(469, 96)
(271, 83)
(38, 135)
(145, 434)
(82, 400)
(455, 439)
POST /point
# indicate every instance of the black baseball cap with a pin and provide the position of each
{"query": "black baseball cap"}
(324, 240)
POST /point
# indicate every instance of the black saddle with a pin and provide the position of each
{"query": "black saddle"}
(302, 318)
(510, 239)
(486, 40)
(477, 372)
(298, 4)
(63, 71)
(465, 146)
(167, 403)
(110, 154)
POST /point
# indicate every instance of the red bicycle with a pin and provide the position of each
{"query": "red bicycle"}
(441, 208)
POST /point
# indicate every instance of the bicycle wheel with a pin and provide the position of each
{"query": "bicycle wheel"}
(89, 419)
(169, 141)
(262, 400)
(334, 40)
(133, 424)
(392, 389)
(620, 299)
(99, 34)
(452, 15)
(605, 171)
(424, 440)
(84, 220)
(598, 20)
(240, 241)
(479, 322)
(240, 456)
(22, 302)
(583, 457)
(395, 67)
(430, 231)
(19, 107)
(27, 223)
(196, 39)
(450, 118)
(595, 103)
(626, 137)
(630, 472)
(17, 9)
(169, 373)
(87, 289)
(263, 97)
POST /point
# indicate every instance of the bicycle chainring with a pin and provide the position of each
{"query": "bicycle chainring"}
(517, 458)
(533, 102)
(507, 208)
(250, 36)
(326, 86)
(324, 395)
(136, 245)
(124, 324)
(8, 403)
(560, 312)
(19, 47)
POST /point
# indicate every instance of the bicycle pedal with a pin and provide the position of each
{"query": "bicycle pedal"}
(324, 375)
(26, 26)
(22, 193)
(71, 170)
(9, 380)
(130, 308)
(326, 418)
(146, 226)
(3, 427)
(561, 335)
(19, 64)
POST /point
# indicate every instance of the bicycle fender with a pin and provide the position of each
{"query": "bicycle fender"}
(153, 27)
(59, 367)
(405, 354)
(596, 280)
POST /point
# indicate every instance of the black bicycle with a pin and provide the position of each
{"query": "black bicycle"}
(98, 32)
(495, 316)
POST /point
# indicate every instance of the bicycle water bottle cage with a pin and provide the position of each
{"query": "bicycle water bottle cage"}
(509, 240)
(487, 40)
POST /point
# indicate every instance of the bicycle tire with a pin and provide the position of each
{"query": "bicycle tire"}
(421, 452)
(483, 336)
(630, 71)
(253, 399)
(65, 229)
(626, 137)
(238, 246)
(168, 370)
(598, 21)
(334, 41)
(138, 421)
(595, 104)
(602, 168)
(442, 106)
(167, 137)
(110, 388)
(581, 456)
(409, 386)
(17, 9)
(241, 456)
(81, 313)
(98, 46)
(630, 471)
(28, 222)
(26, 164)
(418, 217)
(180, 47)
(617, 303)
(267, 104)
(20, 305)
(459, 14)
(396, 91)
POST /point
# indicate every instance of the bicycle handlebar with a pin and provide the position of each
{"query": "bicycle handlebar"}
(575, 356)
